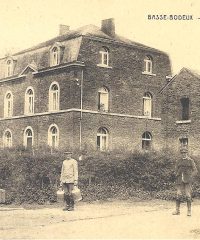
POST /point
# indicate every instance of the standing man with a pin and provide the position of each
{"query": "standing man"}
(69, 179)
(185, 170)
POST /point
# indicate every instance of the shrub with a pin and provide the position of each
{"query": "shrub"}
(34, 176)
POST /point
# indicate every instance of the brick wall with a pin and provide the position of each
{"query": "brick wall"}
(126, 85)
(185, 84)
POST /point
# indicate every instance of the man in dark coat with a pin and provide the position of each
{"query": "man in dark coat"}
(185, 170)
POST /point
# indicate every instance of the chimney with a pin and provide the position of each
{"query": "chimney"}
(108, 27)
(63, 29)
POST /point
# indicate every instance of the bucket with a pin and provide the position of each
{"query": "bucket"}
(60, 195)
(76, 193)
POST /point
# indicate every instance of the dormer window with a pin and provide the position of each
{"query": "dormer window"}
(9, 68)
(104, 56)
(55, 56)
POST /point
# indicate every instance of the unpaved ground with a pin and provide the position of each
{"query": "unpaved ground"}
(117, 219)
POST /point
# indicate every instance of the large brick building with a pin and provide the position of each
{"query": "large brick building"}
(87, 88)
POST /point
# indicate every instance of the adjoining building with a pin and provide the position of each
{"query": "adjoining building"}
(181, 111)
(86, 88)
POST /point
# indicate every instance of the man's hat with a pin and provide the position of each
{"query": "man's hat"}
(183, 150)
(68, 152)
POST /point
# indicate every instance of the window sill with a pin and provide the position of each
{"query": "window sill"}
(29, 114)
(103, 111)
(104, 66)
(183, 121)
(52, 111)
(54, 65)
(148, 73)
(147, 116)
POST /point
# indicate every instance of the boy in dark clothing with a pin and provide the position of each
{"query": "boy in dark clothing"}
(185, 170)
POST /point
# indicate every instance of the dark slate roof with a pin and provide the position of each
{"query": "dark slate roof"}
(90, 31)
(71, 42)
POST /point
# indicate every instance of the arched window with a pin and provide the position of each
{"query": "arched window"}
(53, 136)
(146, 140)
(103, 99)
(8, 104)
(7, 139)
(104, 56)
(54, 97)
(9, 68)
(28, 137)
(55, 58)
(148, 64)
(29, 101)
(147, 104)
(102, 139)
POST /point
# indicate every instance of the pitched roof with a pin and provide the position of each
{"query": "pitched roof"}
(184, 69)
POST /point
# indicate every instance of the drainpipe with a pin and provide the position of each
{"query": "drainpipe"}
(81, 116)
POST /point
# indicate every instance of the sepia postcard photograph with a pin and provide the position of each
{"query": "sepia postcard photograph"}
(99, 119)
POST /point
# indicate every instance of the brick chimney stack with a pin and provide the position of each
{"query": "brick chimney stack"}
(63, 29)
(108, 27)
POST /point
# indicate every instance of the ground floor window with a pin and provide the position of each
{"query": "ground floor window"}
(102, 139)
(28, 138)
(183, 142)
(7, 139)
(146, 140)
(53, 136)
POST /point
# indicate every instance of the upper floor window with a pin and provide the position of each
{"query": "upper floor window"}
(148, 64)
(28, 137)
(147, 104)
(102, 139)
(54, 97)
(185, 108)
(8, 104)
(103, 99)
(146, 140)
(7, 139)
(29, 101)
(104, 56)
(9, 68)
(55, 56)
(53, 136)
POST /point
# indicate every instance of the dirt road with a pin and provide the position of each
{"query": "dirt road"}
(118, 219)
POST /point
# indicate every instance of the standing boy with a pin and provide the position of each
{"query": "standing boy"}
(69, 179)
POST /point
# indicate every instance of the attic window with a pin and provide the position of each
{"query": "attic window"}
(9, 68)
(148, 64)
(104, 56)
(54, 56)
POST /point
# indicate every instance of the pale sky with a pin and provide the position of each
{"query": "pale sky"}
(25, 23)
